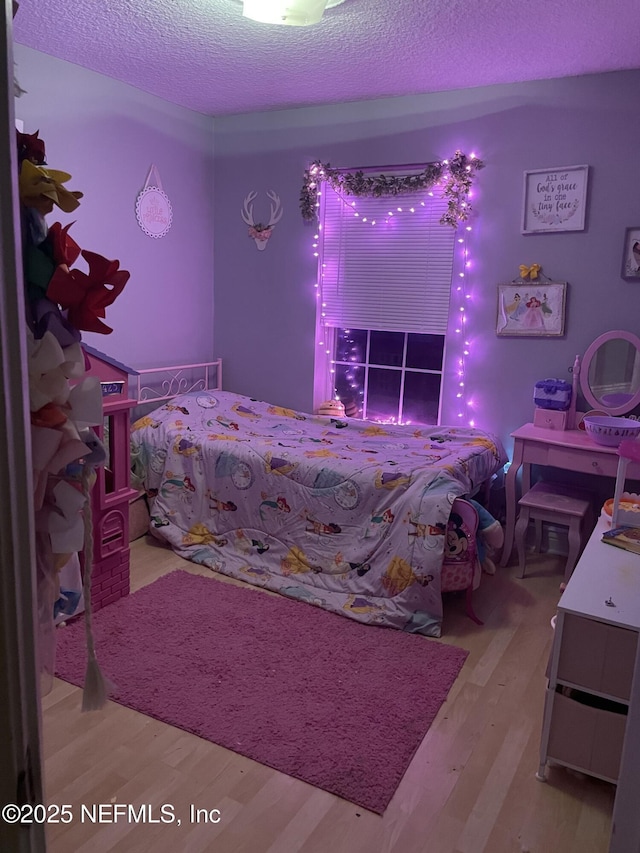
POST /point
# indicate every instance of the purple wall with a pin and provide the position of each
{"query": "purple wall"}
(264, 324)
(107, 135)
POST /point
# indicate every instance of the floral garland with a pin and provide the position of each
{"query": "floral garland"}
(455, 176)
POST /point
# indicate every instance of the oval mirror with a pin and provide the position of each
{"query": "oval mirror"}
(610, 372)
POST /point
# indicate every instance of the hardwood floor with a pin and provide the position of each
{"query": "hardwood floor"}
(471, 787)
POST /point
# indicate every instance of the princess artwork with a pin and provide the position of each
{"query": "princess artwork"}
(529, 312)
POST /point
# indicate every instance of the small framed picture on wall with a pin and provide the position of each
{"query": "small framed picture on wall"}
(531, 309)
(555, 199)
(631, 255)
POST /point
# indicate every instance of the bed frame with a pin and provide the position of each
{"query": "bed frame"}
(157, 384)
(153, 386)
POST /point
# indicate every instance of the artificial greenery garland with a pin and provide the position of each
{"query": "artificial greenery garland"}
(455, 176)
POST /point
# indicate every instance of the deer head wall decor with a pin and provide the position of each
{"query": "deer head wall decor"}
(258, 230)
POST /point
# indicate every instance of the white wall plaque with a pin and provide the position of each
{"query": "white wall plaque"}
(153, 208)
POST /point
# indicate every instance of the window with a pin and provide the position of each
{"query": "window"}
(384, 296)
(389, 376)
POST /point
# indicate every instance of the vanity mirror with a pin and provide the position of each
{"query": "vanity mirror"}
(610, 373)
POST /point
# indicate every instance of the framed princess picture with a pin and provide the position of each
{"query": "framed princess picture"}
(631, 255)
(531, 308)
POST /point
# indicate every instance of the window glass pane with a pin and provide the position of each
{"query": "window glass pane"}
(351, 344)
(383, 394)
(386, 348)
(421, 396)
(425, 351)
(349, 388)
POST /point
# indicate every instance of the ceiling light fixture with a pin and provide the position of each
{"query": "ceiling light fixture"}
(295, 13)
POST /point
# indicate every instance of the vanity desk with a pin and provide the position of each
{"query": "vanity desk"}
(592, 662)
(609, 378)
(570, 450)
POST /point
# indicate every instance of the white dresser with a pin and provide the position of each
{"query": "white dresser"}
(592, 662)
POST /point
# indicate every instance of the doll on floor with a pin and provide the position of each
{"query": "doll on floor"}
(490, 537)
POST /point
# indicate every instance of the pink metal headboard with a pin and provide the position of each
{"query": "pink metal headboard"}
(156, 384)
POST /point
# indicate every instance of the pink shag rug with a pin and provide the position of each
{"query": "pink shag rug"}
(315, 695)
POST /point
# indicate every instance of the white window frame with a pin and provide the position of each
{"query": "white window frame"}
(366, 364)
(325, 329)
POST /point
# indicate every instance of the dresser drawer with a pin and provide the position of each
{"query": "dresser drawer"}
(536, 454)
(596, 656)
(602, 464)
(586, 737)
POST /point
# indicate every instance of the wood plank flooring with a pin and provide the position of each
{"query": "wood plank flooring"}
(471, 787)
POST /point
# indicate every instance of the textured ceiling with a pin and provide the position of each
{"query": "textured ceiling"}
(204, 55)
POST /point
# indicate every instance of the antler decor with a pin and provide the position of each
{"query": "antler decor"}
(455, 176)
(258, 230)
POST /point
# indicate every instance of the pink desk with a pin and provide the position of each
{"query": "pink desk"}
(571, 450)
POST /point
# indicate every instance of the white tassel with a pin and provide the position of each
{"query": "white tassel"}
(96, 686)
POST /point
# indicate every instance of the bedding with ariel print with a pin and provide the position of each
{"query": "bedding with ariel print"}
(346, 514)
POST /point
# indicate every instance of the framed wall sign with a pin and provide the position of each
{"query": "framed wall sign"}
(555, 199)
(631, 255)
(531, 309)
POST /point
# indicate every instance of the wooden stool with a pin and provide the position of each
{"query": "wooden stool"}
(557, 504)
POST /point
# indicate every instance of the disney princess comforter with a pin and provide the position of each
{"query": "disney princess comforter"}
(348, 515)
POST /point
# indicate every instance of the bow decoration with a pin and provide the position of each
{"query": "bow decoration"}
(50, 367)
(42, 189)
(40, 260)
(31, 147)
(63, 247)
(47, 317)
(64, 402)
(530, 272)
(85, 296)
(61, 517)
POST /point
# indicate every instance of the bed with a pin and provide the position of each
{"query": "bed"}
(345, 514)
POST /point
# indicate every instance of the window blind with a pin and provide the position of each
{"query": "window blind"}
(394, 275)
